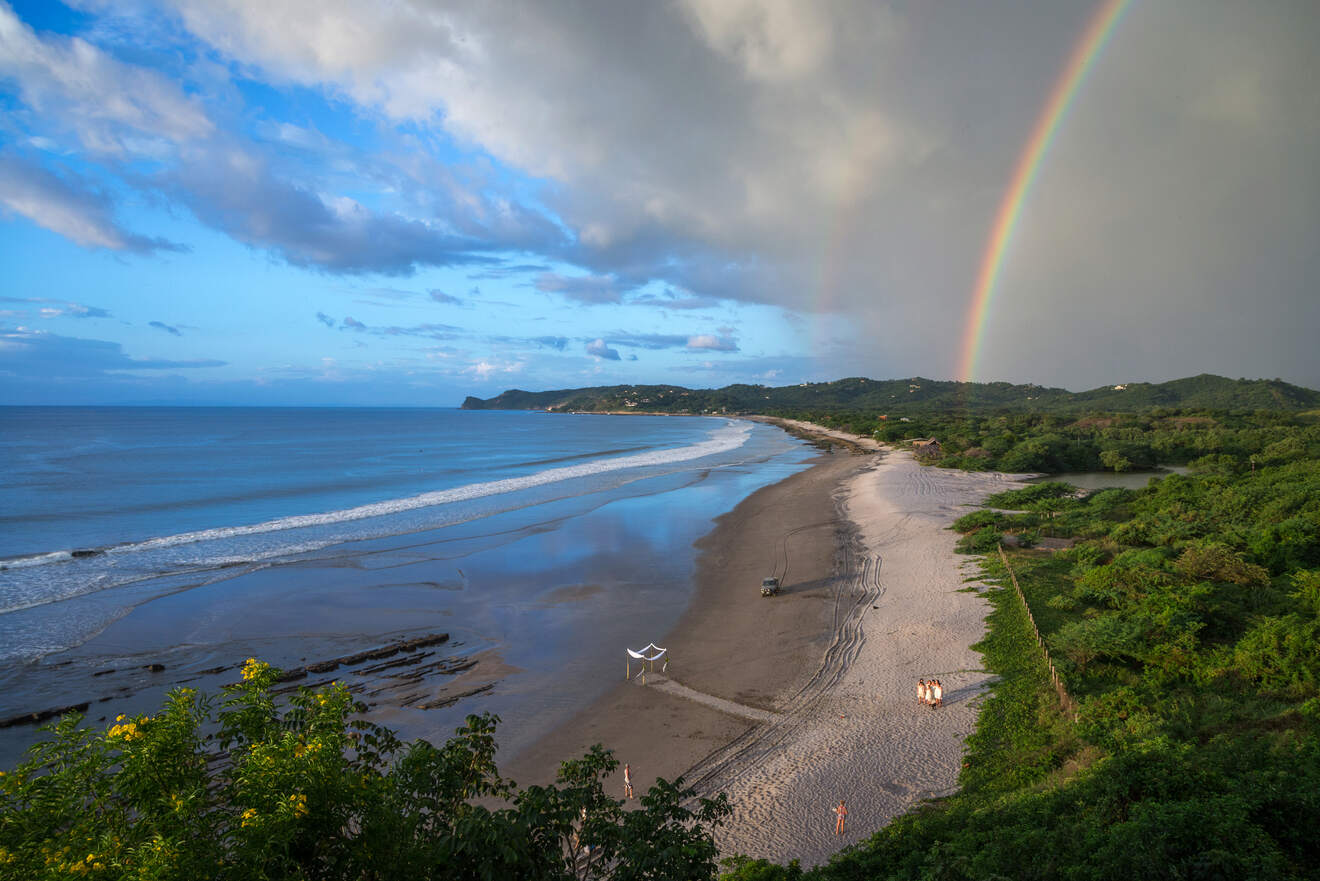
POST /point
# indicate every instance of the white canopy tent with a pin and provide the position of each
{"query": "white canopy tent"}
(647, 657)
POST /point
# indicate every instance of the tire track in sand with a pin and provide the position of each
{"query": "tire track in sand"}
(856, 586)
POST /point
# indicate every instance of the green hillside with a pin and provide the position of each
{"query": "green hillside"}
(915, 395)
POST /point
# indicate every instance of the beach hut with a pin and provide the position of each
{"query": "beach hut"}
(926, 449)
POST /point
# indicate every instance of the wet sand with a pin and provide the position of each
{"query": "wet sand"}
(733, 653)
(792, 703)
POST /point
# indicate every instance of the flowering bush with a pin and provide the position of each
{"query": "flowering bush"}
(308, 789)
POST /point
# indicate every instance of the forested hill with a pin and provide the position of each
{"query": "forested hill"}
(915, 395)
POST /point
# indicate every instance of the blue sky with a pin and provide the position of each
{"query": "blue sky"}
(296, 202)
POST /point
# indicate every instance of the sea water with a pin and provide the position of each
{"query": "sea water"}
(548, 537)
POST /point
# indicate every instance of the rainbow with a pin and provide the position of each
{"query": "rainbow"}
(1083, 56)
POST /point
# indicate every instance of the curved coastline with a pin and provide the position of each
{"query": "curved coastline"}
(792, 703)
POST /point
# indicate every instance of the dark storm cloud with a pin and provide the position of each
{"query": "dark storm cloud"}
(845, 158)
(850, 157)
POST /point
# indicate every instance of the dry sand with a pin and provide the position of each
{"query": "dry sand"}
(790, 704)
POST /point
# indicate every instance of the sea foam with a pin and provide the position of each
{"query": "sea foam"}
(725, 439)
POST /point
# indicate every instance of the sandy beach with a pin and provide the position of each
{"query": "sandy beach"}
(792, 703)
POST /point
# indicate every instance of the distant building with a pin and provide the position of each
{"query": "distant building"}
(926, 449)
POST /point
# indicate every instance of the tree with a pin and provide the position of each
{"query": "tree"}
(310, 790)
(1115, 460)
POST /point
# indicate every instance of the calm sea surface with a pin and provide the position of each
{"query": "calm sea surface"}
(554, 539)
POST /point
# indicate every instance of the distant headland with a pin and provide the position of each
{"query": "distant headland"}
(913, 395)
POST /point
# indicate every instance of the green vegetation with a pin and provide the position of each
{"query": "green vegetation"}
(1185, 621)
(308, 790)
(1050, 443)
(1184, 618)
(868, 399)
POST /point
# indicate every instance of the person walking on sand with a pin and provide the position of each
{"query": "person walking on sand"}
(842, 813)
(938, 693)
(627, 781)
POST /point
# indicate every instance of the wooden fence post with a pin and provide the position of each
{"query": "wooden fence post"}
(1065, 700)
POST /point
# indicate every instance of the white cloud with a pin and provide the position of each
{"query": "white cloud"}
(67, 207)
(48, 308)
(598, 349)
(712, 343)
(486, 368)
(845, 157)
(769, 39)
(111, 107)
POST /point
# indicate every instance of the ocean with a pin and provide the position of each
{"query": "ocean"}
(191, 538)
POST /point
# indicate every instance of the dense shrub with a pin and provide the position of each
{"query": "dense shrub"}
(1030, 495)
(975, 520)
(982, 541)
(308, 790)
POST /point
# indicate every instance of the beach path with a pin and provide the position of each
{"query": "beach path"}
(792, 703)
(864, 738)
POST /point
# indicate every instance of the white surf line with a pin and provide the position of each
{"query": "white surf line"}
(743, 711)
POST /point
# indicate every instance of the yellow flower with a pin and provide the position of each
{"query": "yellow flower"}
(127, 731)
(254, 668)
(299, 805)
(249, 816)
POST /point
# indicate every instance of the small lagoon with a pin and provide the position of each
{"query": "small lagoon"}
(1109, 479)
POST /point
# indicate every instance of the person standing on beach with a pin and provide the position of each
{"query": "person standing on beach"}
(842, 813)
(921, 691)
(627, 781)
(938, 693)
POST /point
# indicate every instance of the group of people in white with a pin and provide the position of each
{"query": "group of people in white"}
(930, 693)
